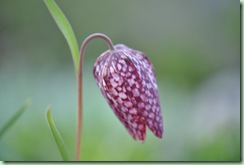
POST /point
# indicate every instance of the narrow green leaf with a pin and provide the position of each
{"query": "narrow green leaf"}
(65, 28)
(56, 135)
(15, 117)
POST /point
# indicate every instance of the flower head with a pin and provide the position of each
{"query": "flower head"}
(127, 80)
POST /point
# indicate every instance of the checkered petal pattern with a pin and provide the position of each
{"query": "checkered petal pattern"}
(127, 81)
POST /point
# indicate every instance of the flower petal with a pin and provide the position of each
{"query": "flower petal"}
(126, 79)
(152, 110)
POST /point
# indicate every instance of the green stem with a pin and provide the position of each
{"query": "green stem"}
(79, 83)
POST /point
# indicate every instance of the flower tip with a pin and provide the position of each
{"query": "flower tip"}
(142, 141)
(160, 135)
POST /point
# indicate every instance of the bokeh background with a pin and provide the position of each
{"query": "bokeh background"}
(193, 44)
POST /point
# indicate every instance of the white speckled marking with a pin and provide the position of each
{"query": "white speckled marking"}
(103, 82)
(134, 125)
(114, 92)
(122, 62)
(140, 127)
(151, 115)
(111, 69)
(133, 111)
(148, 107)
(113, 83)
(131, 82)
(128, 74)
(122, 95)
(135, 92)
(124, 109)
(141, 105)
(120, 100)
(128, 104)
(145, 113)
(143, 98)
(119, 66)
(149, 122)
(116, 77)
(130, 69)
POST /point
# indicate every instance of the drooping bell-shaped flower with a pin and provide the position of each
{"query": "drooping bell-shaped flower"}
(127, 80)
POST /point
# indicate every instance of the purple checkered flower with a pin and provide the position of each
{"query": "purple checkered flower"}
(127, 81)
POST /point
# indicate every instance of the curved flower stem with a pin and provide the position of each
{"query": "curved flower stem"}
(79, 79)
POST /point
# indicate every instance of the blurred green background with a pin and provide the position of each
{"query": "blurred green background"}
(194, 46)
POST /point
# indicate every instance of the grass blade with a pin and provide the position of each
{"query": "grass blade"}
(65, 28)
(15, 117)
(56, 135)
